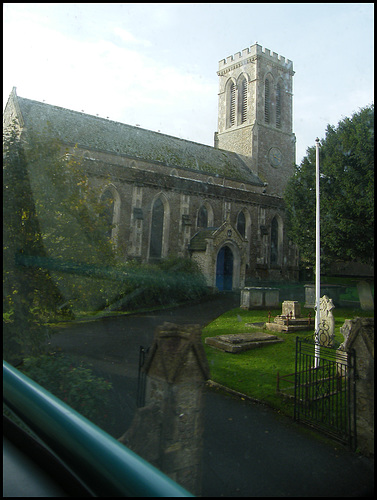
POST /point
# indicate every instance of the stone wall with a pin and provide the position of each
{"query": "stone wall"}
(138, 188)
(253, 137)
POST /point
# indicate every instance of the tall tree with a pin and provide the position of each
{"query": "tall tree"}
(346, 194)
(55, 237)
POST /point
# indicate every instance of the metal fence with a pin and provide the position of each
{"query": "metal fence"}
(325, 390)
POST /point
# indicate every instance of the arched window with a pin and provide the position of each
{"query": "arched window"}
(242, 100)
(241, 224)
(274, 250)
(278, 105)
(267, 101)
(232, 104)
(203, 217)
(107, 200)
(155, 248)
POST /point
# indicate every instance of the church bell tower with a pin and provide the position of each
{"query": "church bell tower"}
(255, 113)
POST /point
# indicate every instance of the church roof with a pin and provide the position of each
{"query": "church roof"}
(198, 241)
(96, 133)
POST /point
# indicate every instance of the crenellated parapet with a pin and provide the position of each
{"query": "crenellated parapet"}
(250, 55)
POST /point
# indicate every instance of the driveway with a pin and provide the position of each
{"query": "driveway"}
(248, 448)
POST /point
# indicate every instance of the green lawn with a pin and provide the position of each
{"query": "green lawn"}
(254, 372)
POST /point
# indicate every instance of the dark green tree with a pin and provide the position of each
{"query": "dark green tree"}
(55, 238)
(28, 292)
(346, 194)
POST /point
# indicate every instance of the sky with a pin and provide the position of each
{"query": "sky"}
(155, 65)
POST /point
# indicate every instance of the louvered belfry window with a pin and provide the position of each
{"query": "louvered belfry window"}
(244, 101)
(232, 111)
(278, 106)
(267, 101)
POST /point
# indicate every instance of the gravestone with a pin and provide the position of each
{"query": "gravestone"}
(365, 296)
(167, 431)
(326, 321)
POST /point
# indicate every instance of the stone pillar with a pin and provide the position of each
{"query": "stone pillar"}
(359, 334)
(168, 430)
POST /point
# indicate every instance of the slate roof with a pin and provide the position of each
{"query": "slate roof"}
(198, 241)
(100, 134)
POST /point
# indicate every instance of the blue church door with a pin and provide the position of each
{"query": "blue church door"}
(224, 269)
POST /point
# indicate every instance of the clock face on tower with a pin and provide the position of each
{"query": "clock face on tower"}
(275, 157)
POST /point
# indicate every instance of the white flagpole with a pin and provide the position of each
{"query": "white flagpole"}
(317, 258)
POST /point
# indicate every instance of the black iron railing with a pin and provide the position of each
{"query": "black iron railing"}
(324, 393)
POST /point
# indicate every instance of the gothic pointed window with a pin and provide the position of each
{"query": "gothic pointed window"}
(274, 250)
(267, 101)
(107, 200)
(202, 217)
(278, 106)
(241, 224)
(155, 248)
(243, 100)
(232, 107)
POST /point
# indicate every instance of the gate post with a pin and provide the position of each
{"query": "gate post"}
(359, 335)
(167, 431)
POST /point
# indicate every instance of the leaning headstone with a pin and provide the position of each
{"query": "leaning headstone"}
(365, 296)
(327, 321)
(168, 430)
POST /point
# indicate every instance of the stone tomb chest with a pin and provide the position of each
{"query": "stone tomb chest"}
(290, 319)
(239, 342)
(258, 297)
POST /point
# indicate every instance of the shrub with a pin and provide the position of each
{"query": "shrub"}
(73, 383)
(168, 282)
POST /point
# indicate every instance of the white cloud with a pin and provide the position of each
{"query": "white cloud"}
(128, 37)
(140, 63)
(111, 80)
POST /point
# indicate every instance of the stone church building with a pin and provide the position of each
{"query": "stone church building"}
(221, 206)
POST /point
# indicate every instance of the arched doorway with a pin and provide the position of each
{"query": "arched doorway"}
(224, 269)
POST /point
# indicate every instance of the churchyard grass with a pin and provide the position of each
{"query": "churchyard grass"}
(254, 372)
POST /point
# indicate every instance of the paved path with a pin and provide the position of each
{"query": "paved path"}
(248, 449)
